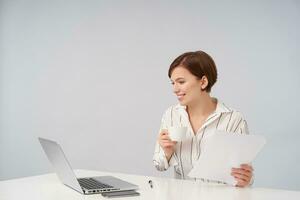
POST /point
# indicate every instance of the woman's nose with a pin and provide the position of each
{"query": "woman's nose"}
(175, 88)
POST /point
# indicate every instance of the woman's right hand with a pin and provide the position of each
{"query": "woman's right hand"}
(166, 143)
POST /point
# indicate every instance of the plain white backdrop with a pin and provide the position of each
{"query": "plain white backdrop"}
(92, 75)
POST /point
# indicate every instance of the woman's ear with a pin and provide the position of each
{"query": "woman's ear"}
(204, 82)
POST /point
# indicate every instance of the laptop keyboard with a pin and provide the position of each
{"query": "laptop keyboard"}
(89, 183)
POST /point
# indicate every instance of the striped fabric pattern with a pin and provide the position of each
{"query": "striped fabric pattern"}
(188, 151)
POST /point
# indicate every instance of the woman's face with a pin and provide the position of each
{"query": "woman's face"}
(186, 86)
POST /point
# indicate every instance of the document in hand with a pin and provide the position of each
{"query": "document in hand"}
(222, 151)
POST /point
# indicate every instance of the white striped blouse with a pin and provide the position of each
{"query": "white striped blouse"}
(188, 151)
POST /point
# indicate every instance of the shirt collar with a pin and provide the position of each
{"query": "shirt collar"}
(221, 107)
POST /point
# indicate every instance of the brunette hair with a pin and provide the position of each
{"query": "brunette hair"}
(199, 64)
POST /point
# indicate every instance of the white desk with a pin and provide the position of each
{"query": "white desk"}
(48, 186)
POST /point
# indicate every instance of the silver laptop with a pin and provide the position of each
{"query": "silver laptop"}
(88, 185)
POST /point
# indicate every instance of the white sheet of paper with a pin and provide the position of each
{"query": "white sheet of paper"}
(222, 151)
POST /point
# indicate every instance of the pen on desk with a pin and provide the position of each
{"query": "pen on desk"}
(150, 183)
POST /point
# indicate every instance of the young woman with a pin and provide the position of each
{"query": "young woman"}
(192, 75)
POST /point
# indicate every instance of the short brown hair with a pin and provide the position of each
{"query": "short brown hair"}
(199, 64)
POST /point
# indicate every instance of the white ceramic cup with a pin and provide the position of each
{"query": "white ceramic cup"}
(177, 133)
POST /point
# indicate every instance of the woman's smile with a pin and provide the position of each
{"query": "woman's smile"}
(180, 96)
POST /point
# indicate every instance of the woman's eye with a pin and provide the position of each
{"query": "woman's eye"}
(181, 82)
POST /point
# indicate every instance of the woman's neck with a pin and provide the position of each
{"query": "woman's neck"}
(203, 106)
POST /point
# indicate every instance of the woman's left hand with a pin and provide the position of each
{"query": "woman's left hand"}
(242, 175)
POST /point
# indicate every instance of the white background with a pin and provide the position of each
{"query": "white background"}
(92, 75)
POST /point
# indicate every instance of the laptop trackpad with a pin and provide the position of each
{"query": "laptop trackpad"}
(115, 182)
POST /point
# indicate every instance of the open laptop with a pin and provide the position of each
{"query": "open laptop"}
(88, 185)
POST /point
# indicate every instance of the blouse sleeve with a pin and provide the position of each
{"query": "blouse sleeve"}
(239, 124)
(159, 158)
(242, 128)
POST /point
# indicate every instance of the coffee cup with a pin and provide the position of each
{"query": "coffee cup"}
(177, 133)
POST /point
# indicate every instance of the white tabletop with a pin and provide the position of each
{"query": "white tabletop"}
(48, 186)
